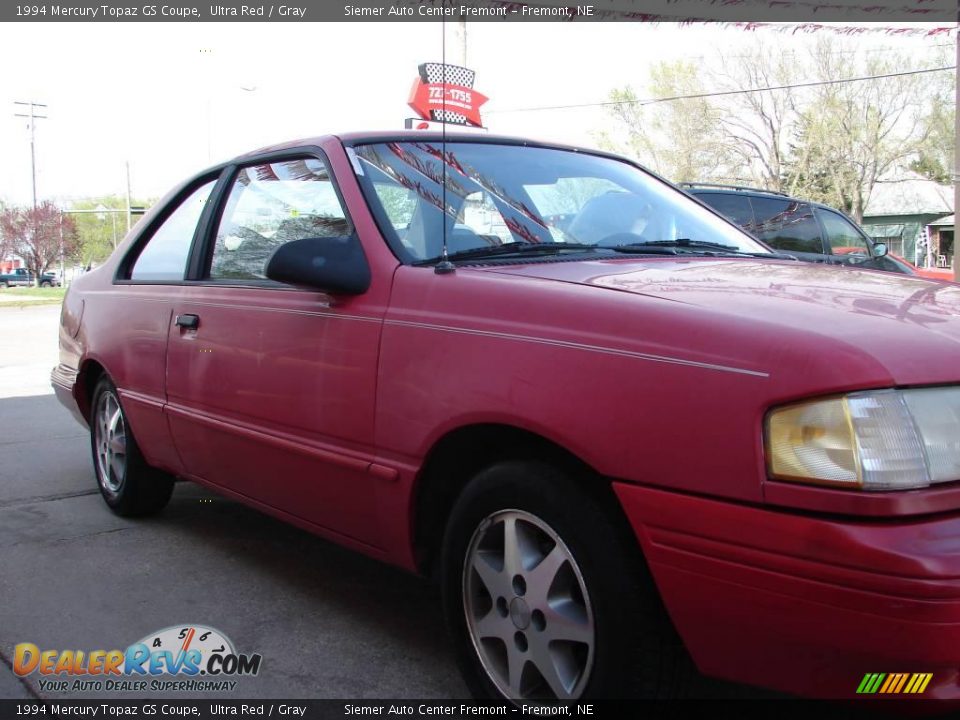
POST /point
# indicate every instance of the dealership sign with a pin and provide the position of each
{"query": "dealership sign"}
(444, 93)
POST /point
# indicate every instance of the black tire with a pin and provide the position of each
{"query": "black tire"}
(45, 284)
(4, 284)
(129, 486)
(636, 652)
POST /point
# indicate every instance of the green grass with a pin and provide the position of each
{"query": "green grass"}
(34, 293)
(24, 296)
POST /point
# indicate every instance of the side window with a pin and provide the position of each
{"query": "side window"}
(787, 225)
(732, 207)
(842, 236)
(164, 257)
(269, 205)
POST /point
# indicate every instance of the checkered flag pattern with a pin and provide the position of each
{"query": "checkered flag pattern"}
(455, 75)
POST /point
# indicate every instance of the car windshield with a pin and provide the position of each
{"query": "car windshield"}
(485, 195)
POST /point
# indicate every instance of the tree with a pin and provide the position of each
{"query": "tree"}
(857, 132)
(797, 122)
(40, 235)
(936, 156)
(675, 137)
(757, 125)
(100, 232)
(6, 244)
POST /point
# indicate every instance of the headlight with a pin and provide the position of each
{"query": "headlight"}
(877, 440)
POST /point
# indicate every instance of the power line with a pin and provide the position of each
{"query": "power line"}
(653, 101)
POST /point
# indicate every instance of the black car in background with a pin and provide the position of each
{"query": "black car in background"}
(21, 277)
(807, 230)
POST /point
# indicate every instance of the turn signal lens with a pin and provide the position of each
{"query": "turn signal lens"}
(813, 442)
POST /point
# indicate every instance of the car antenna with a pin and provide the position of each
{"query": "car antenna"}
(444, 267)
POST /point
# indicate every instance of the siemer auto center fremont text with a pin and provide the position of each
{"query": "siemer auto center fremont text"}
(425, 709)
(466, 12)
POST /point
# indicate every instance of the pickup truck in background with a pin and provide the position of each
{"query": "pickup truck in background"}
(21, 277)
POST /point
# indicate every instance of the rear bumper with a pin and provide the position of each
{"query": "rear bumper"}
(63, 378)
(804, 604)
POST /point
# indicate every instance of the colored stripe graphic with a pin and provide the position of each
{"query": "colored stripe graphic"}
(894, 683)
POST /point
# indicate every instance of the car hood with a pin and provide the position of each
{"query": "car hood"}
(909, 325)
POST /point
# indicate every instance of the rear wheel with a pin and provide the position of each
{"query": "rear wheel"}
(547, 596)
(128, 485)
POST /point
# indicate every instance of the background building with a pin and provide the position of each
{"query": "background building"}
(914, 217)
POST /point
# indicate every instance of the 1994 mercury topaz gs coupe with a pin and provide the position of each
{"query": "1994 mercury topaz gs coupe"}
(615, 426)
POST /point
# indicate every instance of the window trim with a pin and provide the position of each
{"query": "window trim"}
(127, 262)
(201, 259)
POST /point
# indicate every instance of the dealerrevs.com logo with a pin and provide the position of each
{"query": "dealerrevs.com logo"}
(187, 658)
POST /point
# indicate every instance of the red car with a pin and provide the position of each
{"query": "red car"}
(616, 427)
(933, 273)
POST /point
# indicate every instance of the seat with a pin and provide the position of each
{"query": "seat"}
(614, 213)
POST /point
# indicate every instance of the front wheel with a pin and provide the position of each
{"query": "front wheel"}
(128, 485)
(45, 284)
(546, 594)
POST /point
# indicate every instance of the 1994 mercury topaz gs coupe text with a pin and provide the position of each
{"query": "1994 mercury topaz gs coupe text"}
(613, 425)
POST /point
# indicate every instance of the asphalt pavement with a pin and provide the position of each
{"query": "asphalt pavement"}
(329, 623)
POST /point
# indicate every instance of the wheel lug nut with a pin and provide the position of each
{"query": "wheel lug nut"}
(538, 620)
(519, 585)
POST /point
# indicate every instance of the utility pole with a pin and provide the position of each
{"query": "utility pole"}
(33, 124)
(460, 41)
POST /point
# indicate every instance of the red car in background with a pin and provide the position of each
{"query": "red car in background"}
(615, 426)
(932, 273)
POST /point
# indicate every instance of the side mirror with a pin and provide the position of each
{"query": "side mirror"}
(879, 250)
(333, 264)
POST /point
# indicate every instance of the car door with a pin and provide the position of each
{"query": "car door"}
(134, 319)
(271, 388)
(850, 245)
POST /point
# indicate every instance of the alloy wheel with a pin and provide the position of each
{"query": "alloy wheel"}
(110, 440)
(527, 608)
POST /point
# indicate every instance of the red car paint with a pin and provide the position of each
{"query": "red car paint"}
(927, 272)
(655, 372)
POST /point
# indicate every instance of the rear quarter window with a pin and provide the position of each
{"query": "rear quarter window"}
(164, 256)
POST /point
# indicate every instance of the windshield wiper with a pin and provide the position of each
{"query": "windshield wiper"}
(518, 247)
(703, 246)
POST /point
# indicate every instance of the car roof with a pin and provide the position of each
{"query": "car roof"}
(382, 136)
(739, 191)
